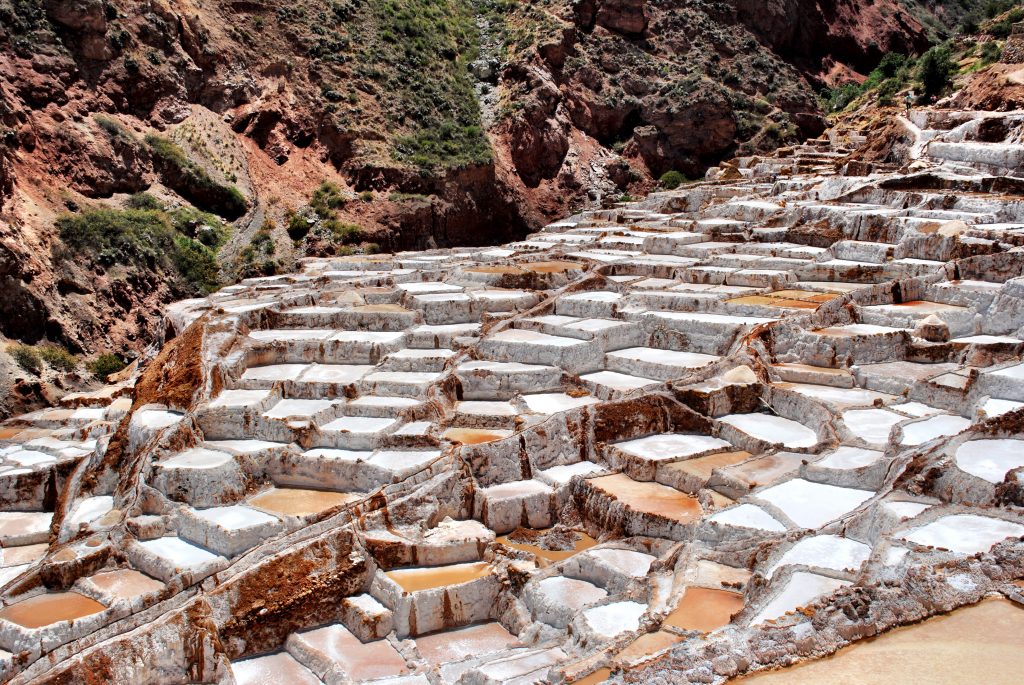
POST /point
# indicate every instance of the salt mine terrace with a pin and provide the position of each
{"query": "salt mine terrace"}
(722, 430)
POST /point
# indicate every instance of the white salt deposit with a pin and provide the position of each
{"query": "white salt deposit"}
(812, 505)
(825, 551)
(990, 460)
(964, 533)
(773, 429)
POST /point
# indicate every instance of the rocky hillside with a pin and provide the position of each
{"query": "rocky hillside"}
(150, 151)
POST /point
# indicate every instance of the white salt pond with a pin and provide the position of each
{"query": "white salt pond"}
(773, 429)
(180, 553)
(964, 533)
(611, 620)
(748, 516)
(845, 458)
(802, 589)
(920, 432)
(554, 402)
(672, 446)
(872, 425)
(990, 460)
(812, 505)
(825, 551)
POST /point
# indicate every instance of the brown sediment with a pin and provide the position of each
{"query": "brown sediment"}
(44, 610)
(549, 556)
(983, 643)
(300, 501)
(648, 644)
(704, 609)
(429, 577)
(598, 676)
(126, 583)
(473, 436)
(649, 498)
(551, 267)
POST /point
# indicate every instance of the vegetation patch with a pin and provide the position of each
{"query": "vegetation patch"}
(27, 357)
(192, 182)
(144, 239)
(104, 365)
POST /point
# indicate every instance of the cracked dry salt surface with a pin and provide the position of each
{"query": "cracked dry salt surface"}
(751, 421)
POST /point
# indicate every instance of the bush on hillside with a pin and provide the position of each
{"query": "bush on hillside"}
(58, 358)
(27, 357)
(105, 364)
(672, 179)
(935, 71)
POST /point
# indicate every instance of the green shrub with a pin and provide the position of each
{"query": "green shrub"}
(840, 97)
(298, 226)
(196, 263)
(143, 201)
(990, 52)
(935, 70)
(343, 232)
(140, 238)
(366, 196)
(114, 128)
(672, 179)
(27, 357)
(58, 358)
(327, 198)
(104, 365)
(192, 182)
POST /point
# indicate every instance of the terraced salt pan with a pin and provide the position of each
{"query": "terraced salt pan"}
(812, 505)
(906, 510)
(235, 517)
(274, 372)
(704, 609)
(429, 577)
(125, 583)
(273, 669)
(773, 429)
(239, 398)
(995, 407)
(825, 551)
(686, 360)
(180, 553)
(990, 460)
(748, 516)
(626, 561)
(845, 458)
(287, 409)
(197, 458)
(839, 398)
(964, 533)
(802, 589)
(671, 446)
(91, 509)
(554, 402)
(155, 419)
(449, 646)
(300, 502)
(872, 425)
(341, 374)
(358, 424)
(611, 620)
(49, 608)
(920, 432)
(649, 498)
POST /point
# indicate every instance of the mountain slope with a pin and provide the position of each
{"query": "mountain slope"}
(422, 122)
